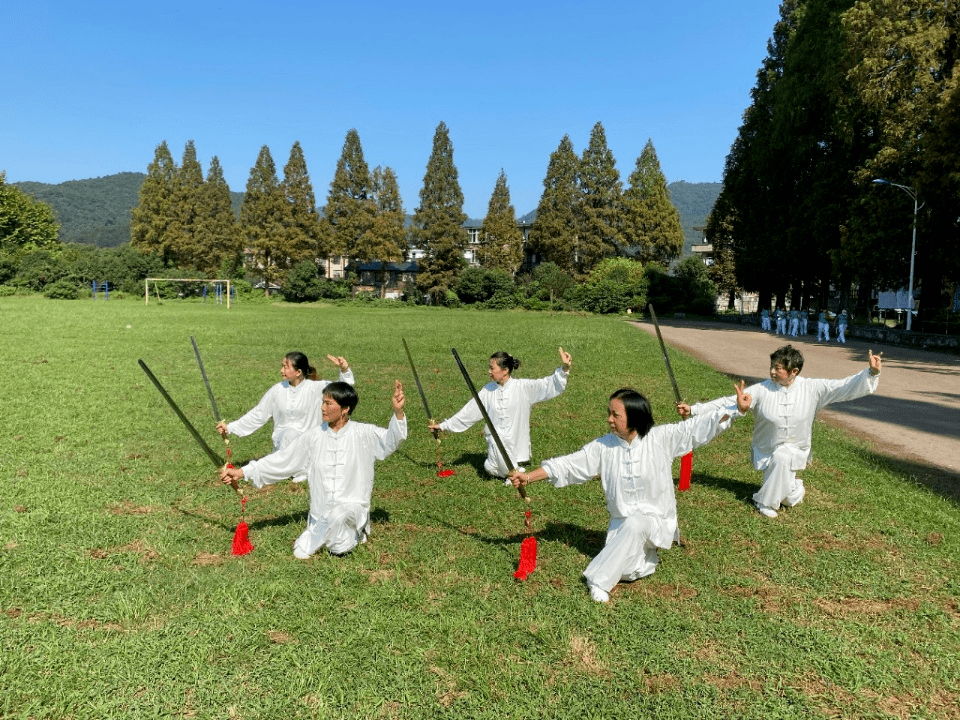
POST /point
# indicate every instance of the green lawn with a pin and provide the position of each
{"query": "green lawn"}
(119, 597)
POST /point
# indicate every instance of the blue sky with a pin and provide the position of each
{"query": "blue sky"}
(92, 89)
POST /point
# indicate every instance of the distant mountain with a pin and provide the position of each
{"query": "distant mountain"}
(694, 201)
(97, 211)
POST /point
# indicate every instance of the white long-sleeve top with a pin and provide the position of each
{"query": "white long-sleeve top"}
(508, 406)
(338, 464)
(293, 408)
(637, 477)
(784, 415)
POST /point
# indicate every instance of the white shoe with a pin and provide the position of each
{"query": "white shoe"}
(796, 497)
(599, 594)
(765, 510)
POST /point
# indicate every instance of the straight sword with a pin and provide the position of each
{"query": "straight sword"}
(213, 402)
(423, 397)
(214, 458)
(486, 417)
(686, 462)
(666, 359)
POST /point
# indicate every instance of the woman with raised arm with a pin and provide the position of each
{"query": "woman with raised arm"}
(634, 462)
(508, 401)
(293, 403)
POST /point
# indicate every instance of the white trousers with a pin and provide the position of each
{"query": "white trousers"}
(823, 331)
(338, 532)
(628, 554)
(780, 485)
(841, 333)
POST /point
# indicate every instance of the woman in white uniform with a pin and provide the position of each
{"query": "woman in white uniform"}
(508, 401)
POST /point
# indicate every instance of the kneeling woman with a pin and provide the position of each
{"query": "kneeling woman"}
(634, 462)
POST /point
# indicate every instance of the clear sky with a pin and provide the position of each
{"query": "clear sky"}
(92, 88)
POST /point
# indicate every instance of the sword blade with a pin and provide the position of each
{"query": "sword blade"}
(213, 402)
(666, 358)
(216, 459)
(423, 397)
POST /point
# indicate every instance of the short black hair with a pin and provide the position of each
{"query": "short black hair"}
(639, 414)
(343, 395)
(789, 358)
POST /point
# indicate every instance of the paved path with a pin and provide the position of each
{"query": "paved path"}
(913, 418)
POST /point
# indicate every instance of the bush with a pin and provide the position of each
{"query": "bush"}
(501, 301)
(452, 300)
(62, 290)
(302, 283)
(477, 285)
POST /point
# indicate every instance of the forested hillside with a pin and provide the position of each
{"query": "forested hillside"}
(97, 211)
(694, 201)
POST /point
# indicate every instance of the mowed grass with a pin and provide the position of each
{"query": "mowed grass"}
(119, 596)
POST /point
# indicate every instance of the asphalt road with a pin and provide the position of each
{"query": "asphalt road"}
(913, 419)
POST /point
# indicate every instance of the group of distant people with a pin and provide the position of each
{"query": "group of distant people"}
(798, 323)
(316, 440)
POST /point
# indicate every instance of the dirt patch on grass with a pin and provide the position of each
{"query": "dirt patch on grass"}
(584, 655)
(128, 508)
(857, 607)
(203, 558)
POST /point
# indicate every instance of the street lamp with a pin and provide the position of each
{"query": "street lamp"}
(913, 244)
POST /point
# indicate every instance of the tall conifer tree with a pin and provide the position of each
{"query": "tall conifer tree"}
(501, 242)
(438, 223)
(218, 231)
(650, 221)
(152, 216)
(301, 236)
(555, 235)
(350, 211)
(262, 217)
(387, 240)
(601, 190)
(187, 210)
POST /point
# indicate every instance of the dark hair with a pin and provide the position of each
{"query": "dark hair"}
(300, 362)
(343, 395)
(506, 361)
(788, 357)
(639, 415)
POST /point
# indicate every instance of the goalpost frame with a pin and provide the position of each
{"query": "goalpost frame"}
(146, 286)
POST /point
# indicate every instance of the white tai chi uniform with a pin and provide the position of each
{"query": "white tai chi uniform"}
(637, 479)
(508, 406)
(782, 428)
(294, 409)
(339, 470)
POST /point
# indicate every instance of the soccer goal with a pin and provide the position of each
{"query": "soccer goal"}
(221, 288)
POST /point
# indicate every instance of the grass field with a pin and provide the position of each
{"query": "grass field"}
(119, 596)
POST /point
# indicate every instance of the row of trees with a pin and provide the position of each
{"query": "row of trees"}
(583, 217)
(850, 92)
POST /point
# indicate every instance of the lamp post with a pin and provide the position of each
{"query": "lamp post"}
(913, 244)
